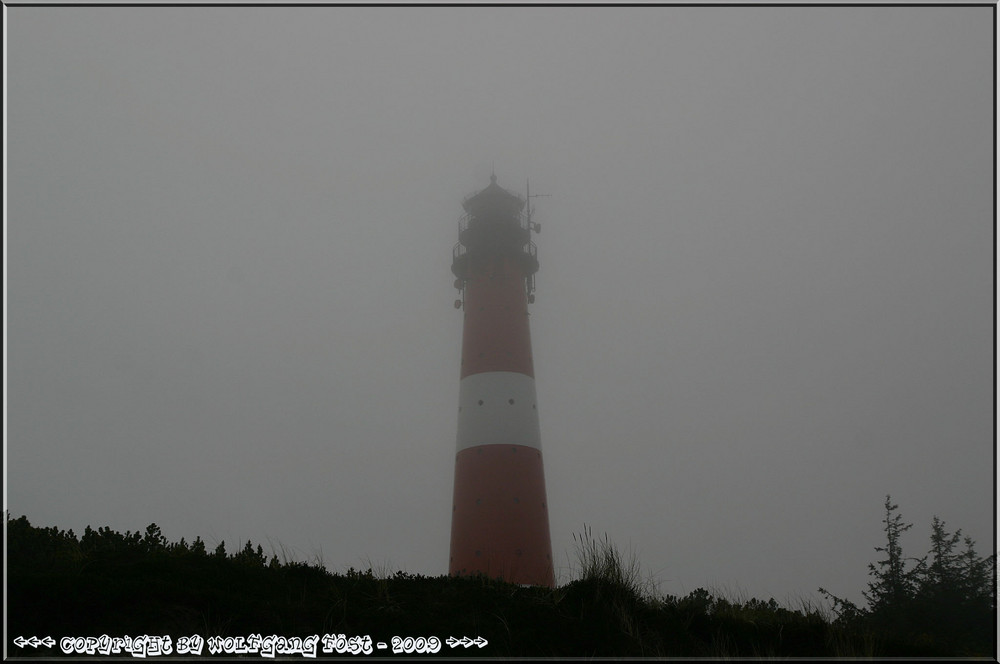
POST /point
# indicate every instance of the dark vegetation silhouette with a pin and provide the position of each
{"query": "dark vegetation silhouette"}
(138, 583)
(943, 603)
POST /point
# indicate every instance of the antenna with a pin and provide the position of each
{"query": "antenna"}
(527, 197)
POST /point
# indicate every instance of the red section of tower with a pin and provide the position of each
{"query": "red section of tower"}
(500, 524)
(502, 528)
(496, 335)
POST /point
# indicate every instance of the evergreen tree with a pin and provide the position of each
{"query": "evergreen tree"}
(894, 585)
(153, 540)
(942, 579)
(956, 598)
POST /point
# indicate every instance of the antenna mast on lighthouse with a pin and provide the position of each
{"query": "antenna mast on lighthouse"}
(537, 228)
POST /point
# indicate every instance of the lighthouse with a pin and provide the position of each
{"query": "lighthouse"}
(499, 520)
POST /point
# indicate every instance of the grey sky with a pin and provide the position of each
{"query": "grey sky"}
(765, 297)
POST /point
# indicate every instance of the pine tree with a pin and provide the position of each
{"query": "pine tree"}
(942, 582)
(979, 576)
(894, 585)
(154, 540)
(955, 598)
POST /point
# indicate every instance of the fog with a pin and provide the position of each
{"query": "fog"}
(765, 300)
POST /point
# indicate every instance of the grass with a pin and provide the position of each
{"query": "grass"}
(612, 582)
(599, 561)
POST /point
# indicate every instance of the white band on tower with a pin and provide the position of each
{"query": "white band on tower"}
(498, 408)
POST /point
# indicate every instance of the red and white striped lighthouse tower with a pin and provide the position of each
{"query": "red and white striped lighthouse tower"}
(500, 521)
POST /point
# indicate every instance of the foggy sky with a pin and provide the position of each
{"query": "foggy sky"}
(765, 298)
